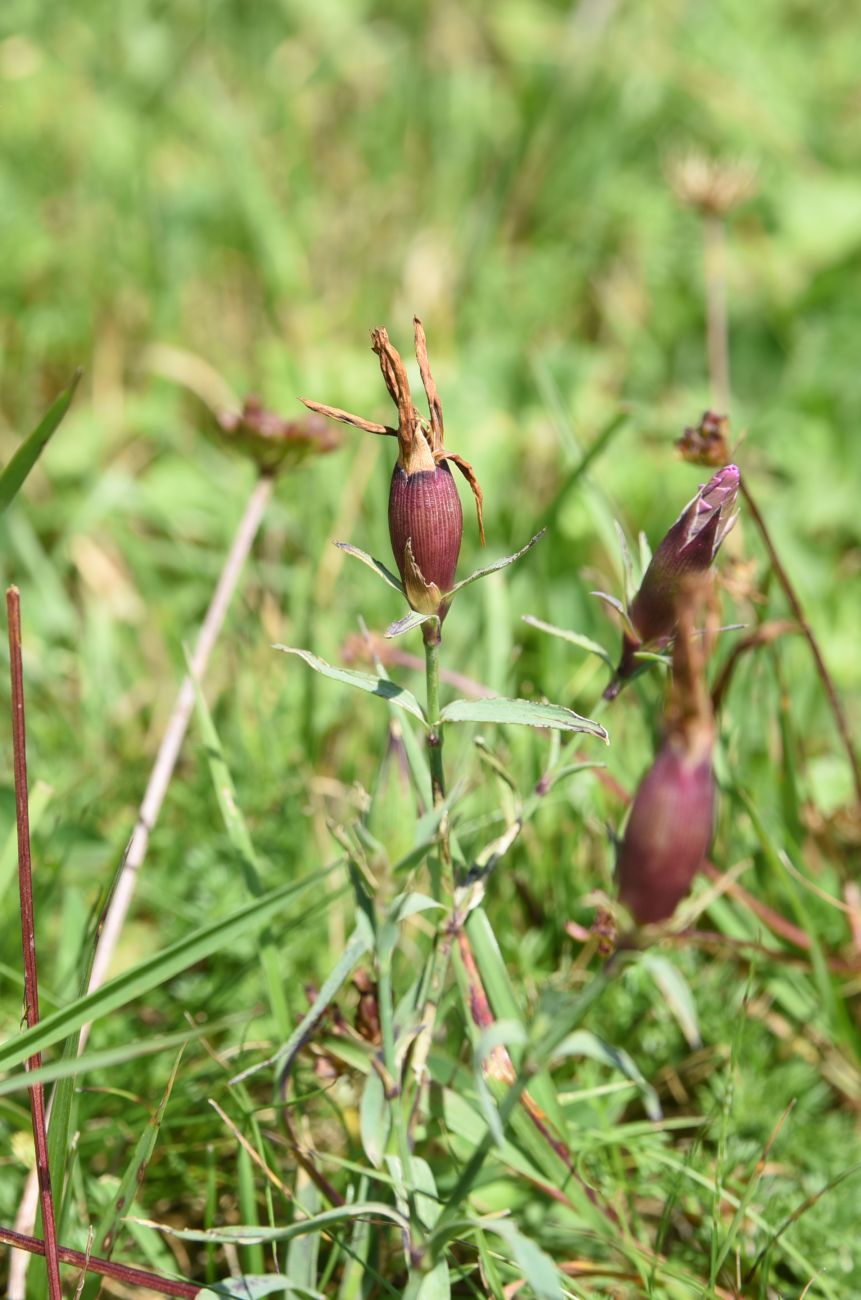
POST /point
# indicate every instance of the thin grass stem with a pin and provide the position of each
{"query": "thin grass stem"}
(28, 939)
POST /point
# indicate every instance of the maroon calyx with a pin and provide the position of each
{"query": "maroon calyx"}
(426, 527)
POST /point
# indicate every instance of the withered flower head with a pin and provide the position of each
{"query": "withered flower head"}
(672, 817)
(425, 516)
(272, 441)
(712, 187)
(706, 443)
(687, 550)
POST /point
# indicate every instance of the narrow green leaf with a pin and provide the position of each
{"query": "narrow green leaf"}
(584, 1043)
(505, 1006)
(70, 1065)
(376, 565)
(14, 474)
(241, 1234)
(379, 686)
(677, 993)
(497, 564)
(616, 604)
(407, 623)
(435, 1285)
(527, 713)
(158, 969)
(538, 1269)
(576, 638)
(375, 1119)
(106, 1229)
(344, 967)
(251, 1287)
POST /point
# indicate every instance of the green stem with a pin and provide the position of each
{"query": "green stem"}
(435, 732)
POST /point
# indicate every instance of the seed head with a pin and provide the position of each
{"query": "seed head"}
(271, 441)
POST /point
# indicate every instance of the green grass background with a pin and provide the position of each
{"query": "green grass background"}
(257, 184)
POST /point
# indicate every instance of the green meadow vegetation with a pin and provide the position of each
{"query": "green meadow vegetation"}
(351, 1040)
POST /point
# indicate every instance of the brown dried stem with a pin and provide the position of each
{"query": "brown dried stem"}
(28, 937)
(107, 1268)
(764, 635)
(717, 338)
(800, 617)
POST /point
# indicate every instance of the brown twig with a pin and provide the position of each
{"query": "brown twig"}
(764, 635)
(800, 617)
(28, 937)
(717, 346)
(106, 1267)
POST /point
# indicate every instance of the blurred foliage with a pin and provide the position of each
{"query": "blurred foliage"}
(210, 192)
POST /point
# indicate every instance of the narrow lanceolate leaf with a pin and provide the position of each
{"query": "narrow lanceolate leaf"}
(158, 969)
(525, 713)
(407, 623)
(71, 1066)
(375, 1119)
(15, 472)
(377, 565)
(677, 994)
(538, 1269)
(343, 969)
(497, 564)
(582, 1042)
(379, 686)
(250, 1287)
(616, 604)
(110, 1221)
(251, 1232)
(576, 638)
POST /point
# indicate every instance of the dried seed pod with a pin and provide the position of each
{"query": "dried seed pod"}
(425, 514)
(271, 441)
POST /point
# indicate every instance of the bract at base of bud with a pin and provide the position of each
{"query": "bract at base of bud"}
(426, 528)
(668, 833)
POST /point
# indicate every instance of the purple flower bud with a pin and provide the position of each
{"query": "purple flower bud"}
(426, 527)
(425, 515)
(688, 549)
(669, 830)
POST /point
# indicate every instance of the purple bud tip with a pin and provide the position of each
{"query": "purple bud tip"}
(716, 497)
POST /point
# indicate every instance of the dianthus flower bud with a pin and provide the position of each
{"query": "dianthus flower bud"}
(669, 831)
(425, 515)
(672, 817)
(687, 550)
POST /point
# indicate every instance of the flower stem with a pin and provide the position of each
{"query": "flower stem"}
(435, 733)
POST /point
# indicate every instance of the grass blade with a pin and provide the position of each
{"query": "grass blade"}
(14, 474)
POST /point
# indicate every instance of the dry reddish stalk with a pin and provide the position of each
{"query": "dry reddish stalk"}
(92, 1264)
(28, 937)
